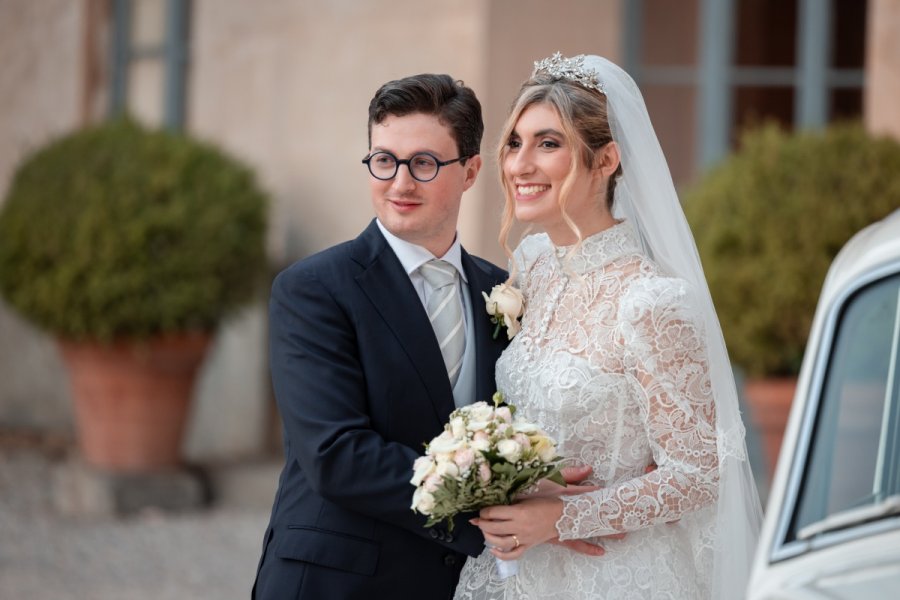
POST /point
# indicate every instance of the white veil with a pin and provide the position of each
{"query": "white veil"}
(645, 196)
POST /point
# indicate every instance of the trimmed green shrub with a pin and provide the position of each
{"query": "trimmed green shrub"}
(119, 231)
(769, 220)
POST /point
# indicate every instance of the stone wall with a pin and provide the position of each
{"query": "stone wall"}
(882, 91)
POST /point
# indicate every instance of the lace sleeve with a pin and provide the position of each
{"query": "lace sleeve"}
(665, 353)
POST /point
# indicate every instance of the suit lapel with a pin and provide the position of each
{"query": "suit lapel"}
(487, 349)
(388, 287)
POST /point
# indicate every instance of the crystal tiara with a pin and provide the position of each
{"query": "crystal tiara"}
(571, 69)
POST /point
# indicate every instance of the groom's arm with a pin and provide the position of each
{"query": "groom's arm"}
(321, 393)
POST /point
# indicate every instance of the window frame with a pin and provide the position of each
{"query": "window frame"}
(782, 549)
(172, 51)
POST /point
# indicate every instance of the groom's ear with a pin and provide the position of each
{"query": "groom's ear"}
(472, 167)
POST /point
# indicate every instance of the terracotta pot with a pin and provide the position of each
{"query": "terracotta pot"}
(132, 398)
(770, 404)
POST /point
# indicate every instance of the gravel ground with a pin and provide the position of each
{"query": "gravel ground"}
(202, 554)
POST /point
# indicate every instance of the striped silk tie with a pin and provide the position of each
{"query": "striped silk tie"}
(445, 312)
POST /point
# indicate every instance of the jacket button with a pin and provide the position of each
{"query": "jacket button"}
(433, 533)
(450, 537)
(450, 560)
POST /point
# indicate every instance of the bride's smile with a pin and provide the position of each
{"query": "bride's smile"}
(537, 164)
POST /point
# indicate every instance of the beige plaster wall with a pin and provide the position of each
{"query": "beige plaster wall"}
(284, 85)
(287, 86)
(40, 46)
(40, 43)
(881, 104)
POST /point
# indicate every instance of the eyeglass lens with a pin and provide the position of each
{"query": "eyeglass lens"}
(423, 167)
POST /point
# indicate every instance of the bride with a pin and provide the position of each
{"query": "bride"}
(620, 357)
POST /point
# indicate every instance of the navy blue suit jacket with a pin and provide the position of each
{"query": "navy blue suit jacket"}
(361, 385)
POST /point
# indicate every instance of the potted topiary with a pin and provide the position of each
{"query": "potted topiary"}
(768, 221)
(130, 246)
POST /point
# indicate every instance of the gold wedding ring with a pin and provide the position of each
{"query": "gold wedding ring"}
(516, 540)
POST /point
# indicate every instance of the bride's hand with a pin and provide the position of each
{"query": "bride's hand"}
(510, 530)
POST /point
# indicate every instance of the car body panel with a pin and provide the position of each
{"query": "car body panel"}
(856, 552)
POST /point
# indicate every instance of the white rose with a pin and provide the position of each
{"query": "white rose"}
(423, 501)
(506, 303)
(458, 427)
(444, 444)
(511, 450)
(478, 426)
(421, 468)
(545, 448)
(447, 467)
(524, 427)
(481, 442)
(480, 412)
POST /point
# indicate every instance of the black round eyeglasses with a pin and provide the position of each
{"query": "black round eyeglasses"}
(422, 166)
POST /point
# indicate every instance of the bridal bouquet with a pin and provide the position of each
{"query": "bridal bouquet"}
(484, 457)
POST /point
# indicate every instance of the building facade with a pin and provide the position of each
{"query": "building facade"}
(284, 85)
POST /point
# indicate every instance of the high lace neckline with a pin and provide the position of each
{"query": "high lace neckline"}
(597, 249)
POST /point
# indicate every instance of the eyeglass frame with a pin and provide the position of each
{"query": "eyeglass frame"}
(406, 161)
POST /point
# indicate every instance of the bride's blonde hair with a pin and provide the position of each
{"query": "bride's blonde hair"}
(582, 113)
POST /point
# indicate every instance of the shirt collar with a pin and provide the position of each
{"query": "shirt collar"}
(413, 256)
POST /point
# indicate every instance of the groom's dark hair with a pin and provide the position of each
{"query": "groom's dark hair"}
(454, 104)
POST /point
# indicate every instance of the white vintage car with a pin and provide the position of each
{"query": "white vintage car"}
(832, 524)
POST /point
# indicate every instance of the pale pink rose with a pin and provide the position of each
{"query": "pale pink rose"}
(432, 482)
(523, 440)
(464, 459)
(484, 472)
(504, 414)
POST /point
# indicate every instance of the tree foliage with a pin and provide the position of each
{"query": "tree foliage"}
(769, 220)
(119, 231)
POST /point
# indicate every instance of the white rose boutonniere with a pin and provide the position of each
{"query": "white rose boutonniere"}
(506, 305)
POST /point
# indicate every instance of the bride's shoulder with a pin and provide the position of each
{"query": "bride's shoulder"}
(652, 291)
(530, 249)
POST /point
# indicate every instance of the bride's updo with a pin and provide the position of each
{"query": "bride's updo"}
(583, 115)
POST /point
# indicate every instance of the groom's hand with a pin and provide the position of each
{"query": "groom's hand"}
(577, 474)
(583, 547)
(572, 476)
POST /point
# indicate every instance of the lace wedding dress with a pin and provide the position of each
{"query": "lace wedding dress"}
(611, 362)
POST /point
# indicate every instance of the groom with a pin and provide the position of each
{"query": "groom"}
(360, 379)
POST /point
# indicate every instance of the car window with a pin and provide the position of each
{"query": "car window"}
(854, 455)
